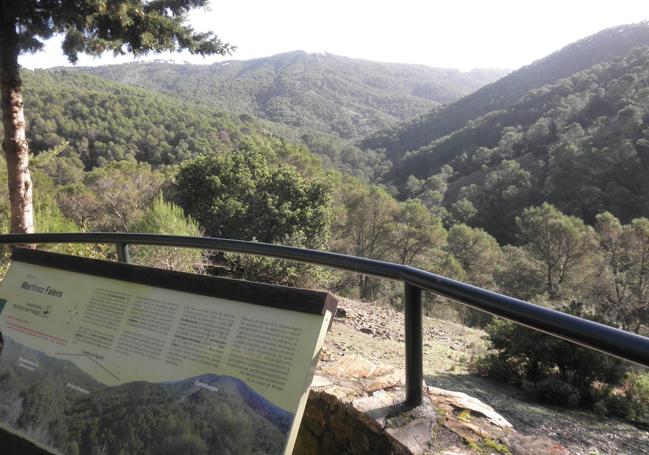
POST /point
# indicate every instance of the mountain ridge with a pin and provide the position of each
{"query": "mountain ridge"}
(325, 92)
(581, 144)
(572, 58)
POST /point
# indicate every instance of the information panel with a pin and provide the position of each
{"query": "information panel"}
(106, 358)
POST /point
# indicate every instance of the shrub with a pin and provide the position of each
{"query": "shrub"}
(278, 271)
(632, 405)
(547, 368)
(494, 367)
(638, 386)
(166, 218)
(636, 399)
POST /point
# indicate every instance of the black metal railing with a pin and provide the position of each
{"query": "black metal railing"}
(625, 345)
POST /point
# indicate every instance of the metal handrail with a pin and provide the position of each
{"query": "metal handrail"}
(609, 340)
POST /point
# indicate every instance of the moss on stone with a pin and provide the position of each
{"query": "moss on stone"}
(498, 447)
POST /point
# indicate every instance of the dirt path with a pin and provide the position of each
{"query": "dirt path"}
(376, 332)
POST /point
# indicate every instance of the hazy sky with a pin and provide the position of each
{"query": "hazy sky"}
(461, 34)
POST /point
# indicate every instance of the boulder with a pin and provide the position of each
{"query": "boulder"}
(358, 407)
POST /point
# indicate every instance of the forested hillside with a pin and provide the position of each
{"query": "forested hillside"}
(104, 121)
(313, 92)
(579, 143)
(601, 47)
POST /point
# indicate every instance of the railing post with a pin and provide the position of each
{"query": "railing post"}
(122, 252)
(414, 340)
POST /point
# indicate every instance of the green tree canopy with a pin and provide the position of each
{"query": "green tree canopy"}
(557, 241)
(243, 195)
(113, 197)
(625, 276)
(477, 252)
(418, 236)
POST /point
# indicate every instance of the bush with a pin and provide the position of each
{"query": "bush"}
(632, 405)
(492, 366)
(166, 218)
(615, 405)
(638, 386)
(550, 370)
(636, 398)
(278, 271)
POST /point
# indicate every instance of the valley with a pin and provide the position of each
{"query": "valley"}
(531, 183)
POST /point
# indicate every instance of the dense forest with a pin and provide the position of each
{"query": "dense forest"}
(585, 136)
(532, 186)
(601, 47)
(313, 92)
(103, 121)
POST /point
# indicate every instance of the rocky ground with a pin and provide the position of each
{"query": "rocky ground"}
(376, 333)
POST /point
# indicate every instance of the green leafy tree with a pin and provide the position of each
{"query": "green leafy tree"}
(559, 243)
(53, 219)
(430, 191)
(625, 276)
(462, 211)
(520, 275)
(368, 228)
(496, 201)
(418, 236)
(370, 222)
(88, 26)
(480, 257)
(477, 252)
(243, 195)
(120, 193)
(252, 194)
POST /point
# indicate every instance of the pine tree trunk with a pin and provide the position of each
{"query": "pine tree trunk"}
(15, 141)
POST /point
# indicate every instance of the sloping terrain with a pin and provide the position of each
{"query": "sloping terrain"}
(320, 92)
(601, 47)
(376, 333)
(580, 142)
(106, 121)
